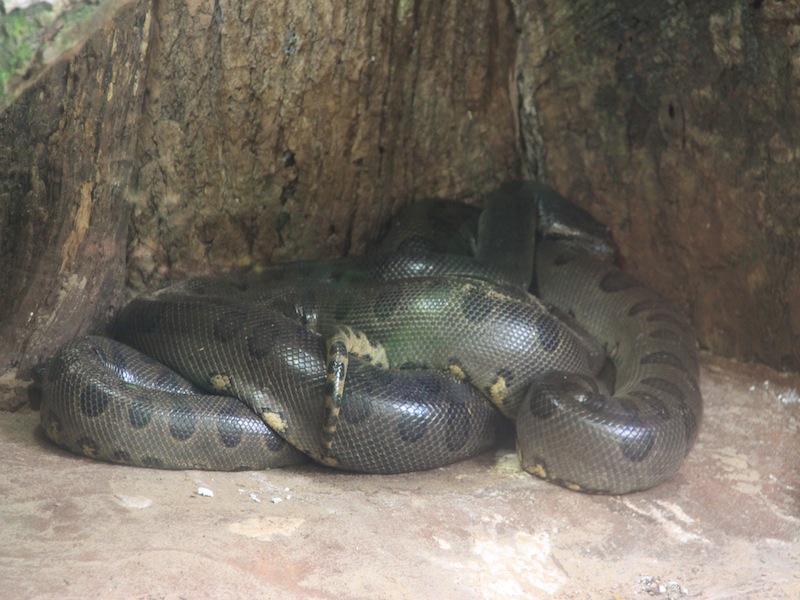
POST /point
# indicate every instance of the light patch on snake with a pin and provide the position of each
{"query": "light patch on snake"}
(88, 447)
(490, 292)
(538, 470)
(274, 420)
(457, 371)
(359, 344)
(220, 382)
(498, 391)
(329, 461)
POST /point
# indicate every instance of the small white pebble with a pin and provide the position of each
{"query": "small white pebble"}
(202, 491)
(288, 496)
(254, 498)
(276, 500)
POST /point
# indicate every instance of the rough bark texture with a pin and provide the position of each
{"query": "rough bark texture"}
(263, 131)
(65, 162)
(267, 131)
(678, 124)
(287, 130)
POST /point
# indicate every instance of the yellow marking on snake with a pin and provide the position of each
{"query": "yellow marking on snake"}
(220, 382)
(274, 420)
(498, 391)
(538, 470)
(88, 450)
(457, 371)
(358, 343)
(489, 291)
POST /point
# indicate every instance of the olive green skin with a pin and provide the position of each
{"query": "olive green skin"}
(408, 359)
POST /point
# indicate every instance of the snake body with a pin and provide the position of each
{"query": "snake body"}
(408, 359)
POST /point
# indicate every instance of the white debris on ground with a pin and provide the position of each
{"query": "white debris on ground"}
(654, 587)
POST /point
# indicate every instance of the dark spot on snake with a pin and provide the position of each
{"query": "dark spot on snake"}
(672, 318)
(658, 407)
(415, 244)
(261, 341)
(56, 368)
(548, 332)
(229, 325)
(618, 281)
(646, 306)
(665, 334)
(148, 318)
(592, 401)
(387, 303)
(419, 394)
(182, 422)
(457, 426)
(476, 305)
(412, 365)
(94, 401)
(342, 309)
(663, 358)
(152, 462)
(273, 441)
(664, 385)
(565, 257)
(241, 284)
(355, 410)
(140, 412)
(230, 424)
(636, 438)
(412, 429)
(543, 400)
(122, 456)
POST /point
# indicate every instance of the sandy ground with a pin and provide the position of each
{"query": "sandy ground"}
(727, 526)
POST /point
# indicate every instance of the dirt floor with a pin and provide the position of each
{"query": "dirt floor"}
(727, 526)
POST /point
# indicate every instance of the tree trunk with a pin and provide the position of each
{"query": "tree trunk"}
(66, 157)
(679, 126)
(195, 137)
(253, 131)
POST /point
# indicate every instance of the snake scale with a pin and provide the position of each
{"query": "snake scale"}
(413, 357)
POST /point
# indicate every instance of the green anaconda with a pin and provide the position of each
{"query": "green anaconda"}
(410, 358)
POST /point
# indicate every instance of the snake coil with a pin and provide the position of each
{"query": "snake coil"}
(408, 359)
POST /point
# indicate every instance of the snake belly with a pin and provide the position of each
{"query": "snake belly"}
(401, 361)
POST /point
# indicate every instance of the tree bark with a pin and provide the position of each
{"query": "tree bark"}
(275, 131)
(66, 158)
(251, 132)
(679, 126)
(190, 137)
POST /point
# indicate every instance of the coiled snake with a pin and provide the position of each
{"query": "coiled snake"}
(407, 359)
